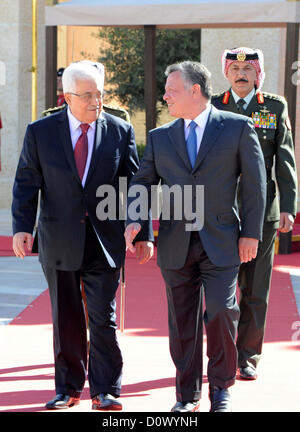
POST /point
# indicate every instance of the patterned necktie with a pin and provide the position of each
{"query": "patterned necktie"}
(191, 143)
(81, 150)
(240, 105)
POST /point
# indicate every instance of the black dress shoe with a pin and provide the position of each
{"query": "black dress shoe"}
(220, 399)
(248, 373)
(106, 402)
(61, 401)
(192, 406)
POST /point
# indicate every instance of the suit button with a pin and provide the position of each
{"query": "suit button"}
(82, 220)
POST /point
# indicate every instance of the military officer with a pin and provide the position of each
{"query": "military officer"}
(244, 69)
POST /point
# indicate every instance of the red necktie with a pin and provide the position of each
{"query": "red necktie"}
(81, 150)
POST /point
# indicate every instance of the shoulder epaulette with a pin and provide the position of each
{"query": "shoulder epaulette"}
(111, 107)
(118, 112)
(217, 95)
(221, 95)
(53, 110)
(274, 96)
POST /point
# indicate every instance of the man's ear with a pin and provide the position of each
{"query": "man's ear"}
(67, 97)
(196, 89)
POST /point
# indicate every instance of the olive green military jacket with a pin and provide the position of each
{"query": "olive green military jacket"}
(118, 112)
(270, 116)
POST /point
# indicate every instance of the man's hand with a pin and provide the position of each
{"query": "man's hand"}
(19, 241)
(144, 251)
(247, 248)
(286, 222)
(130, 233)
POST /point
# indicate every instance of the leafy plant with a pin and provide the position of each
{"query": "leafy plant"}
(123, 57)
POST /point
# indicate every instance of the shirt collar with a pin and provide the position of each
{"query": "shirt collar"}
(75, 123)
(201, 119)
(247, 98)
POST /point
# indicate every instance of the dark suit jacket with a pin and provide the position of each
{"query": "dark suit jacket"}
(47, 164)
(229, 148)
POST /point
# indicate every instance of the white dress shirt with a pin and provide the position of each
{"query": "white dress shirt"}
(75, 132)
(201, 121)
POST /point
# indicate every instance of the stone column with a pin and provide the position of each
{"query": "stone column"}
(15, 86)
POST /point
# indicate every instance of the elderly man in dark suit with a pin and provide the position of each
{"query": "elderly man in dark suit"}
(67, 157)
(209, 148)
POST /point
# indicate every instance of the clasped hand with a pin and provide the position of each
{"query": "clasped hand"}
(143, 249)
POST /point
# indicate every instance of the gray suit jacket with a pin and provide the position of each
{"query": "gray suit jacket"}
(229, 148)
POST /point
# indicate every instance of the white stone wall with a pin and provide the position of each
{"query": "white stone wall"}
(15, 90)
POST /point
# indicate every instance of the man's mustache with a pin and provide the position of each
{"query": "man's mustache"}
(242, 80)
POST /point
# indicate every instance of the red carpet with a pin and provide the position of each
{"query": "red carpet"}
(26, 363)
(6, 246)
(6, 249)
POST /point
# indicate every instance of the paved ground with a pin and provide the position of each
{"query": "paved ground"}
(21, 281)
(26, 361)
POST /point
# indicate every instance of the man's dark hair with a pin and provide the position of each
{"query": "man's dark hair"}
(193, 73)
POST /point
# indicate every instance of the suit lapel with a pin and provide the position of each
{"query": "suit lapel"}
(176, 134)
(65, 138)
(100, 134)
(212, 130)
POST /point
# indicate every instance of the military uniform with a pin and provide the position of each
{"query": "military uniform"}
(118, 112)
(270, 116)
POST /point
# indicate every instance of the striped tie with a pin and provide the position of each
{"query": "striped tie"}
(81, 150)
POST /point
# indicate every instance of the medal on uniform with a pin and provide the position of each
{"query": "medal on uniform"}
(264, 119)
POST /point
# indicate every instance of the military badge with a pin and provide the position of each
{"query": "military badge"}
(241, 56)
(226, 98)
(264, 120)
(260, 97)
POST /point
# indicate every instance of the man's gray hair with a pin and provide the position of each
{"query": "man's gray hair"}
(193, 73)
(82, 70)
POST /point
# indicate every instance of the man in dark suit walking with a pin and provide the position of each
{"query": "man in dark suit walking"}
(244, 69)
(67, 157)
(209, 148)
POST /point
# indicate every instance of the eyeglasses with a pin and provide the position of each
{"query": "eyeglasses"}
(87, 97)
